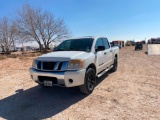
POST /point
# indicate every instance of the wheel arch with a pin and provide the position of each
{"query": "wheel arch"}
(92, 66)
(116, 56)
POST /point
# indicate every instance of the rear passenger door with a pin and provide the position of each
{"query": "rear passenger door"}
(107, 53)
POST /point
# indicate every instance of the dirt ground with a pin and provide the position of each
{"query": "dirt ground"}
(131, 93)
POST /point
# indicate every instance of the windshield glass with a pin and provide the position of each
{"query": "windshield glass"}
(75, 45)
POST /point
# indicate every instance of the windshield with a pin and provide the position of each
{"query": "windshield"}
(75, 45)
(138, 43)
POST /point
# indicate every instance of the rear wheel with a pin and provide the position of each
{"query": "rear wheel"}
(115, 65)
(89, 82)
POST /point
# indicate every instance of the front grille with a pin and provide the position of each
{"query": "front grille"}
(53, 79)
(48, 65)
(51, 66)
(39, 65)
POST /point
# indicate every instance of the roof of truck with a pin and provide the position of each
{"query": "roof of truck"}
(82, 37)
(86, 37)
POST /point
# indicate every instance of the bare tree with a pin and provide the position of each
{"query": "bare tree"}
(23, 39)
(8, 34)
(42, 26)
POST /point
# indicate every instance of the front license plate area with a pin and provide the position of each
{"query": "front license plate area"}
(48, 83)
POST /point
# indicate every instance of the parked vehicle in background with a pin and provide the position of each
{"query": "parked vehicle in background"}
(138, 46)
(154, 41)
(114, 44)
(118, 45)
(128, 43)
(143, 42)
(76, 62)
(133, 43)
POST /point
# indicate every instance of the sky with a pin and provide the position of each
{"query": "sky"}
(114, 19)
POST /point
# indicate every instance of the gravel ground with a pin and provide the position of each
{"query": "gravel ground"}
(131, 93)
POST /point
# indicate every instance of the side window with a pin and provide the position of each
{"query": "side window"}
(98, 43)
(106, 43)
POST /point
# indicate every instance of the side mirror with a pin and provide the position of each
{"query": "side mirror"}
(100, 48)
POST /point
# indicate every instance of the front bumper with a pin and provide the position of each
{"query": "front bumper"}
(61, 77)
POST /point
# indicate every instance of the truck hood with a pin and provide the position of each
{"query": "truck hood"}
(64, 56)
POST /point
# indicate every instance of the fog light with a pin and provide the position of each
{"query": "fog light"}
(70, 80)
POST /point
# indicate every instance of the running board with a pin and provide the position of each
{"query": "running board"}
(102, 73)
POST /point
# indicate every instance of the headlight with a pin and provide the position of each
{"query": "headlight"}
(34, 64)
(75, 64)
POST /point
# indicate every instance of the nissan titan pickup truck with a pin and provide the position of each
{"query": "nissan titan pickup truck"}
(76, 62)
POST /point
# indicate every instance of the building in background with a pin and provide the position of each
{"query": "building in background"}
(119, 43)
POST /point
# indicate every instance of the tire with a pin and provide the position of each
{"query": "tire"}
(89, 82)
(115, 65)
(42, 85)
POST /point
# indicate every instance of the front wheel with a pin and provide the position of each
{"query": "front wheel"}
(89, 82)
(42, 85)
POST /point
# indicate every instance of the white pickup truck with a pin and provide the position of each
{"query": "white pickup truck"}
(75, 62)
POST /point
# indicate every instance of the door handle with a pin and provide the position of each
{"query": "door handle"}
(105, 53)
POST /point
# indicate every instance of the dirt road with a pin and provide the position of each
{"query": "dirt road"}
(131, 93)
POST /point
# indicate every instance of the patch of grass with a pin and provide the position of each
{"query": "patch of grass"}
(21, 56)
(39, 54)
(12, 56)
(2, 57)
(25, 55)
(33, 55)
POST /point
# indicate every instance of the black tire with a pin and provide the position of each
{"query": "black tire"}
(115, 65)
(89, 82)
(42, 85)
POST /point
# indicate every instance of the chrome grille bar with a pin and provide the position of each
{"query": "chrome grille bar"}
(41, 65)
(64, 66)
(56, 66)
